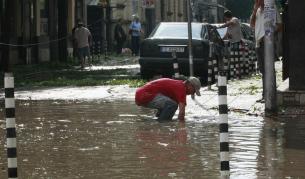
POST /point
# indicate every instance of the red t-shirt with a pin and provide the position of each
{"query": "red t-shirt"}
(174, 89)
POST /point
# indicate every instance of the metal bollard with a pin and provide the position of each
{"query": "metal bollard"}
(236, 72)
(99, 49)
(226, 55)
(225, 64)
(10, 125)
(256, 67)
(106, 57)
(91, 54)
(251, 68)
(247, 60)
(242, 60)
(210, 65)
(226, 59)
(175, 65)
(232, 57)
(254, 62)
(215, 65)
(237, 61)
(93, 48)
(223, 125)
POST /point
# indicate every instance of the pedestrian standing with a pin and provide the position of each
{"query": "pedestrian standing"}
(83, 40)
(166, 95)
(233, 33)
(135, 31)
(257, 21)
(119, 36)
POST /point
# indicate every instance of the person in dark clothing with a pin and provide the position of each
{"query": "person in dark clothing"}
(119, 36)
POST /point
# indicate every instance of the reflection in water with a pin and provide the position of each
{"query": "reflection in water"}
(294, 148)
(244, 147)
(99, 139)
(282, 150)
(163, 149)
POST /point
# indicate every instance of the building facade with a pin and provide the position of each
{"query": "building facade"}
(36, 31)
(210, 11)
(40, 30)
(151, 12)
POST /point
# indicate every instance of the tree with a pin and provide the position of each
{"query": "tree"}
(240, 8)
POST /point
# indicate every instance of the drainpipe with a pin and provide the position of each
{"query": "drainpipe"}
(270, 78)
(162, 10)
(108, 25)
(190, 37)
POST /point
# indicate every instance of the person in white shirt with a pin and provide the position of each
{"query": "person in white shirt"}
(83, 40)
(257, 22)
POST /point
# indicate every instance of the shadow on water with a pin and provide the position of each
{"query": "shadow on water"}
(101, 139)
(282, 148)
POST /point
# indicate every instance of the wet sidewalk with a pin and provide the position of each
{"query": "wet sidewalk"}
(242, 94)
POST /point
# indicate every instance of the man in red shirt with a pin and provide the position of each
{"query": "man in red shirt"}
(166, 95)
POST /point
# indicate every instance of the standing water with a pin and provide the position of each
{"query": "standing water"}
(102, 139)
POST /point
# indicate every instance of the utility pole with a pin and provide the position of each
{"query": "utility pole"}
(162, 10)
(270, 78)
(190, 37)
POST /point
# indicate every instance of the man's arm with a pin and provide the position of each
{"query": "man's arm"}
(229, 23)
(181, 111)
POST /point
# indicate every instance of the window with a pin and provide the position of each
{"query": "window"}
(178, 31)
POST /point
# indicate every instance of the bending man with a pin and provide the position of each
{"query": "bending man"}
(166, 95)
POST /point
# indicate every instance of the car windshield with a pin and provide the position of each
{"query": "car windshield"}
(177, 31)
(222, 31)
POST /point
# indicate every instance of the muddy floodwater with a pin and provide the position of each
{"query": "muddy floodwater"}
(101, 139)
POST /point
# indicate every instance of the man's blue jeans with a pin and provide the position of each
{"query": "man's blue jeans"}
(166, 107)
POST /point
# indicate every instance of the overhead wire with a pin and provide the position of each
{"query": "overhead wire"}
(47, 42)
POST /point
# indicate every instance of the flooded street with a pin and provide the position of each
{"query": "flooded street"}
(103, 139)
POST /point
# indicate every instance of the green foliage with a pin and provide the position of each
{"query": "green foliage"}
(58, 74)
(82, 82)
(131, 82)
(240, 8)
(251, 89)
